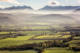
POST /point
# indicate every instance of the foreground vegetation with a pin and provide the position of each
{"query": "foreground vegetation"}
(27, 51)
(36, 41)
(59, 50)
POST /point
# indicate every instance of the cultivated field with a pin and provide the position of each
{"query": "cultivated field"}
(39, 34)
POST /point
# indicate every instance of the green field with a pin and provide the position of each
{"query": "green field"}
(52, 37)
(48, 50)
(58, 50)
(29, 38)
(21, 40)
(27, 51)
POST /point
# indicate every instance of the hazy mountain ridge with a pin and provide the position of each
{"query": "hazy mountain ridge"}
(17, 7)
(78, 9)
(49, 8)
(59, 8)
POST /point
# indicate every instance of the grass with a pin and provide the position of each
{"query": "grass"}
(74, 43)
(27, 51)
(18, 41)
(4, 32)
(52, 36)
(77, 38)
(43, 27)
(66, 36)
(10, 43)
(22, 40)
(15, 41)
(58, 50)
(47, 36)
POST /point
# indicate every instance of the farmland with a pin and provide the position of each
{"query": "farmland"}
(29, 51)
(58, 50)
(39, 34)
(38, 41)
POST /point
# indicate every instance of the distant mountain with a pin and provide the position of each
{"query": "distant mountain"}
(78, 9)
(17, 7)
(57, 8)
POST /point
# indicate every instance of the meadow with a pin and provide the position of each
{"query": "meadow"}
(58, 50)
(41, 40)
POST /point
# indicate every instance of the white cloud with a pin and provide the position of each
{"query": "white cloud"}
(1, 6)
(52, 3)
(14, 2)
(78, 1)
(11, 1)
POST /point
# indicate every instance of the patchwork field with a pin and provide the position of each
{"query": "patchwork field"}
(58, 50)
(37, 41)
(28, 51)
(50, 37)
(27, 32)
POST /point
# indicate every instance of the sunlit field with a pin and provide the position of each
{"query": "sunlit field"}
(39, 33)
(28, 51)
(58, 50)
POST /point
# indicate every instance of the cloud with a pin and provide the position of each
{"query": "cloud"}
(55, 3)
(12, 1)
(78, 1)
(4, 6)
(1, 6)
(52, 3)
(3, 0)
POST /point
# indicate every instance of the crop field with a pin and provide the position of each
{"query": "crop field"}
(36, 41)
(50, 37)
(8, 42)
(28, 51)
(47, 36)
(58, 50)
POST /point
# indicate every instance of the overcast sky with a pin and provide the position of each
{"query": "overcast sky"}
(36, 4)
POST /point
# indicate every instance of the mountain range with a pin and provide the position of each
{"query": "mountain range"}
(17, 7)
(78, 9)
(48, 8)
(59, 8)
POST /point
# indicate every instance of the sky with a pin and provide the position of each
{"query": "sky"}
(36, 4)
